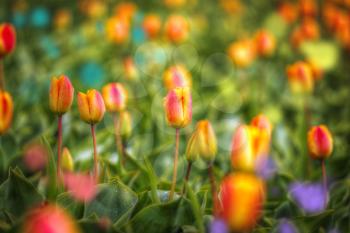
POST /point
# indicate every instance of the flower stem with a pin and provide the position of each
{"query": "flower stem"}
(173, 184)
(2, 76)
(187, 177)
(59, 147)
(213, 189)
(307, 123)
(118, 139)
(95, 151)
(324, 178)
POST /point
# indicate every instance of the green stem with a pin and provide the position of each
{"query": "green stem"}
(187, 177)
(2, 76)
(196, 209)
(176, 155)
(59, 147)
(324, 178)
(95, 173)
(213, 189)
(118, 140)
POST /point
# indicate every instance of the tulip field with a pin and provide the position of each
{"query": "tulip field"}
(175, 116)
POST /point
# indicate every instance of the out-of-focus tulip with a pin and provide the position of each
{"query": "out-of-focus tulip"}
(62, 19)
(308, 8)
(174, 3)
(242, 53)
(6, 111)
(115, 97)
(151, 25)
(49, 219)
(125, 10)
(130, 69)
(317, 71)
(117, 30)
(93, 8)
(242, 156)
(176, 28)
(232, 6)
(178, 107)
(262, 122)
(320, 142)
(288, 11)
(35, 157)
(67, 163)
(7, 39)
(125, 124)
(242, 196)
(308, 30)
(91, 106)
(82, 187)
(300, 77)
(177, 76)
(265, 43)
(202, 142)
(61, 94)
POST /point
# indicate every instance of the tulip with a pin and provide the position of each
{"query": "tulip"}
(265, 43)
(174, 3)
(67, 163)
(122, 127)
(81, 187)
(178, 107)
(288, 11)
(91, 109)
(115, 97)
(117, 30)
(6, 111)
(151, 25)
(7, 39)
(308, 8)
(62, 19)
(261, 134)
(125, 124)
(242, 196)
(61, 94)
(242, 53)
(49, 219)
(176, 28)
(35, 157)
(130, 69)
(125, 10)
(177, 76)
(300, 78)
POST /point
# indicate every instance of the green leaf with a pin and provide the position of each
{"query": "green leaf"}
(17, 194)
(75, 208)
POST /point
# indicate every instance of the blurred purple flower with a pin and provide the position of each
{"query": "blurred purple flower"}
(218, 226)
(266, 168)
(286, 226)
(309, 196)
(334, 231)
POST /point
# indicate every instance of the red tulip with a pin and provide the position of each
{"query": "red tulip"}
(6, 111)
(7, 39)
(61, 94)
(320, 142)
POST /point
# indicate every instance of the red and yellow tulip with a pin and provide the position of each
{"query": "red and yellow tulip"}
(320, 142)
(67, 163)
(117, 30)
(176, 28)
(300, 78)
(6, 111)
(242, 53)
(7, 39)
(61, 94)
(91, 106)
(177, 76)
(115, 97)
(152, 25)
(265, 43)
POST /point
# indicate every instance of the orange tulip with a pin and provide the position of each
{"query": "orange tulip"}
(151, 25)
(177, 76)
(178, 107)
(242, 53)
(308, 8)
(174, 3)
(202, 142)
(61, 94)
(115, 97)
(130, 69)
(91, 106)
(176, 28)
(125, 10)
(288, 11)
(242, 196)
(265, 43)
(117, 30)
(320, 142)
(7, 39)
(6, 111)
(300, 77)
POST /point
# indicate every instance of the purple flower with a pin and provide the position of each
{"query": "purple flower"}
(310, 197)
(218, 226)
(286, 226)
(266, 168)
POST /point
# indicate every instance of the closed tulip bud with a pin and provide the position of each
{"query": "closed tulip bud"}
(261, 130)
(7, 39)
(67, 163)
(242, 53)
(300, 78)
(61, 94)
(202, 142)
(262, 122)
(151, 25)
(242, 196)
(115, 97)
(176, 28)
(49, 219)
(178, 107)
(130, 69)
(91, 106)
(265, 43)
(242, 156)
(125, 124)
(177, 76)
(6, 111)
(320, 142)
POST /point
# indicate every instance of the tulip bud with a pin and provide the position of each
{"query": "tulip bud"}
(242, 156)
(49, 219)
(300, 77)
(242, 196)
(261, 130)
(61, 94)
(177, 76)
(320, 142)
(115, 97)
(7, 39)
(6, 111)
(202, 142)
(178, 107)
(67, 163)
(91, 106)
(125, 124)
(151, 25)
(130, 69)
(265, 43)
(242, 53)
(176, 28)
